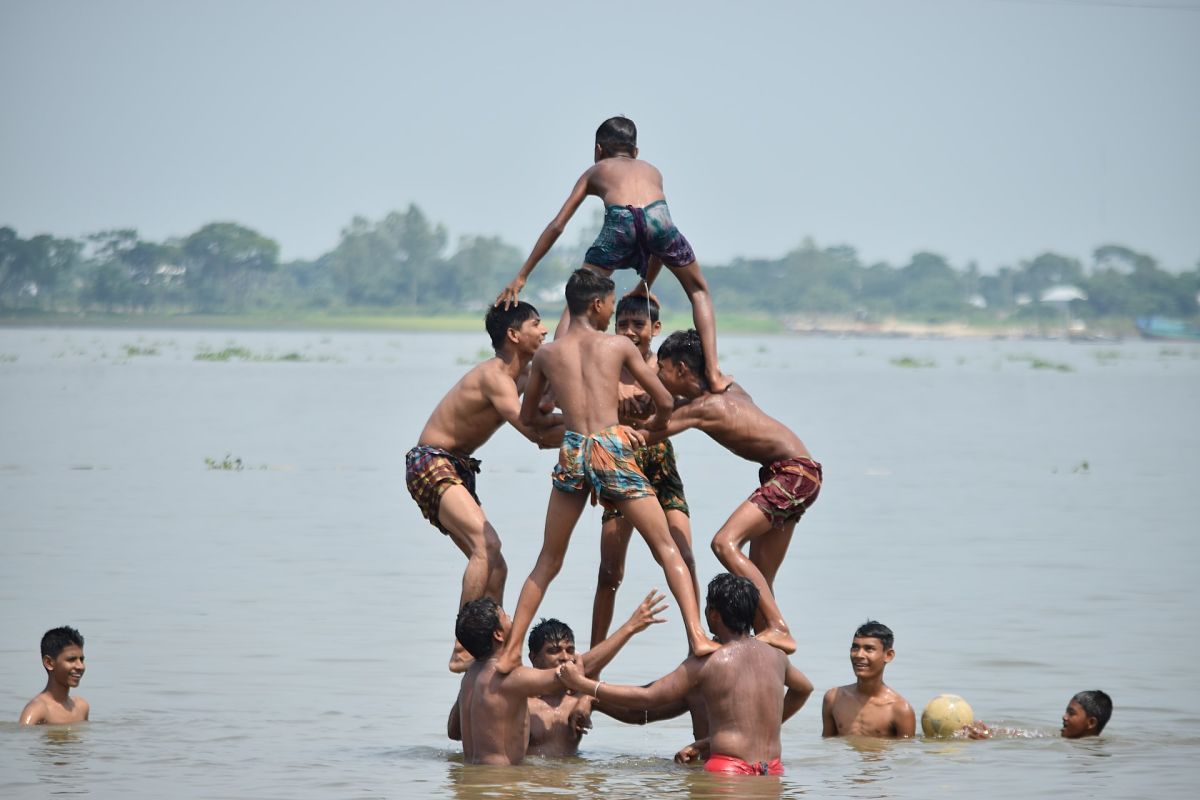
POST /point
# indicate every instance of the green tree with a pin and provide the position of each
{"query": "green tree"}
(224, 260)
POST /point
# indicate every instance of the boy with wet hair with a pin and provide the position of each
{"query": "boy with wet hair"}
(637, 320)
(63, 660)
(440, 470)
(1086, 715)
(789, 479)
(583, 367)
(750, 688)
(492, 713)
(638, 232)
(868, 707)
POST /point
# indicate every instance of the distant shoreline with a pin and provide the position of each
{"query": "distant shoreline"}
(832, 326)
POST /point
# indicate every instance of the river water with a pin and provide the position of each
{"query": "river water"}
(1022, 514)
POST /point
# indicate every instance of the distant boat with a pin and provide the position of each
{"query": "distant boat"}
(1167, 329)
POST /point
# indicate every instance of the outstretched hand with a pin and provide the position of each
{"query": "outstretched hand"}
(646, 614)
(977, 730)
(508, 296)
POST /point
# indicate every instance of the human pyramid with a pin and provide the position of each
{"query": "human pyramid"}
(620, 404)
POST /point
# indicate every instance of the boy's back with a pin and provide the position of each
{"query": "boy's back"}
(735, 422)
(743, 686)
(583, 368)
(624, 181)
(495, 723)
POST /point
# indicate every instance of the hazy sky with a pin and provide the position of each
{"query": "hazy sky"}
(985, 130)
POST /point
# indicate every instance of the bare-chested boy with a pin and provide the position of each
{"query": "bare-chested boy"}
(868, 707)
(583, 367)
(492, 715)
(638, 232)
(789, 478)
(637, 320)
(1086, 715)
(440, 470)
(743, 684)
(62, 658)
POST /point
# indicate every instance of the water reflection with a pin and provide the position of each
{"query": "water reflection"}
(61, 754)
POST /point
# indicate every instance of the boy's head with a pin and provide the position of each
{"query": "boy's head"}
(62, 655)
(616, 136)
(590, 293)
(519, 324)
(871, 649)
(481, 624)
(734, 599)
(681, 364)
(1086, 714)
(551, 642)
(637, 320)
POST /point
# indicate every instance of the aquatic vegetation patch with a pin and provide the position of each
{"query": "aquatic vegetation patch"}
(236, 353)
(132, 350)
(481, 355)
(7, 358)
(908, 362)
(1107, 356)
(1041, 363)
(228, 464)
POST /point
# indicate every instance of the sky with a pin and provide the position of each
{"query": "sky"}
(983, 130)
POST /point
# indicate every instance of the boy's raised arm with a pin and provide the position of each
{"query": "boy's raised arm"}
(502, 394)
(668, 689)
(544, 242)
(646, 377)
(643, 617)
(535, 385)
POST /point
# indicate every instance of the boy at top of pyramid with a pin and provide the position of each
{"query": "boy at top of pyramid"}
(638, 233)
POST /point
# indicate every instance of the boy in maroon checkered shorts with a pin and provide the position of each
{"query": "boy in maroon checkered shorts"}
(789, 478)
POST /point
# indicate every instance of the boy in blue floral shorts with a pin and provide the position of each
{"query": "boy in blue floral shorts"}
(637, 320)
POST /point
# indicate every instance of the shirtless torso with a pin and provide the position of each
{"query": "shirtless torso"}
(735, 422)
(49, 710)
(622, 180)
(847, 711)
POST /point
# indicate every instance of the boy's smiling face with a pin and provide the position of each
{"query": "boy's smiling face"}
(1075, 722)
(530, 334)
(638, 329)
(67, 667)
(868, 656)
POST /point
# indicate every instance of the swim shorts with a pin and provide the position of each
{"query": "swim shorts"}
(657, 462)
(788, 488)
(603, 463)
(430, 471)
(631, 235)
(732, 765)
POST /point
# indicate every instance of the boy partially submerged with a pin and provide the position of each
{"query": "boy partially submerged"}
(62, 658)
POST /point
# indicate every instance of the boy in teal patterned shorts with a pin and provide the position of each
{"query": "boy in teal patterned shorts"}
(583, 367)
(637, 320)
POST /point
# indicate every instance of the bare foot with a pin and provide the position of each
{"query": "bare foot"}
(780, 638)
(460, 659)
(718, 382)
(705, 646)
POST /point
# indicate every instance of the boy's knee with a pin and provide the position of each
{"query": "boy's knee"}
(723, 548)
(610, 575)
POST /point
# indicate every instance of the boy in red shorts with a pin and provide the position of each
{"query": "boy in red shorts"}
(789, 478)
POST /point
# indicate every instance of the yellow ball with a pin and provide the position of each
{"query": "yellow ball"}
(946, 714)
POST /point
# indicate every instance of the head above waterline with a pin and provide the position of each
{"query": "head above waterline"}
(616, 136)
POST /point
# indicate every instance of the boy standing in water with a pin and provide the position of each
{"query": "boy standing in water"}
(638, 232)
(749, 688)
(62, 658)
(583, 368)
(789, 478)
(491, 715)
(868, 707)
(637, 320)
(440, 470)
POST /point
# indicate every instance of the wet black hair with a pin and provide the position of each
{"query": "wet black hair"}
(1095, 703)
(476, 623)
(684, 347)
(872, 629)
(637, 305)
(500, 320)
(584, 286)
(549, 630)
(736, 599)
(617, 135)
(55, 640)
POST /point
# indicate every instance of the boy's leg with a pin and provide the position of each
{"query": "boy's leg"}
(614, 544)
(647, 517)
(561, 515)
(745, 524)
(680, 526)
(486, 571)
(696, 287)
(767, 551)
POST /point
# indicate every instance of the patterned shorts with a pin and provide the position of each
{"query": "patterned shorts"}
(603, 463)
(788, 488)
(631, 235)
(657, 462)
(430, 471)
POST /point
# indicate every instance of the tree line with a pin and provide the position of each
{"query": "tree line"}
(403, 263)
